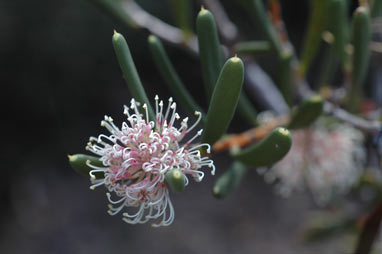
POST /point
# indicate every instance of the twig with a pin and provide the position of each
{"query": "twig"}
(369, 231)
(249, 136)
(164, 31)
(360, 123)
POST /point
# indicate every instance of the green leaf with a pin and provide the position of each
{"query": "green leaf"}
(324, 225)
(285, 76)
(182, 10)
(114, 9)
(78, 163)
(307, 113)
(229, 180)
(130, 73)
(211, 55)
(259, 15)
(246, 110)
(268, 151)
(338, 26)
(176, 180)
(361, 35)
(252, 47)
(317, 24)
(224, 100)
(376, 9)
(170, 76)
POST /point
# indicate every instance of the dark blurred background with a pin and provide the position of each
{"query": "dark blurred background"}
(59, 77)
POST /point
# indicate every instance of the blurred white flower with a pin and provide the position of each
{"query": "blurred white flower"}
(137, 156)
(327, 158)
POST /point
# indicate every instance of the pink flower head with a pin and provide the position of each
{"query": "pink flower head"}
(137, 156)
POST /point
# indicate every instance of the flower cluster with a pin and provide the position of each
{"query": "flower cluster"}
(137, 156)
(328, 158)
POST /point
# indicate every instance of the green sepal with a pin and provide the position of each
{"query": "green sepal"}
(78, 163)
(171, 77)
(176, 180)
(229, 180)
(224, 100)
(253, 47)
(211, 55)
(307, 113)
(130, 73)
(361, 35)
(266, 152)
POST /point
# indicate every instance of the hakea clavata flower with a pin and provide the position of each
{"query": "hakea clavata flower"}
(327, 158)
(137, 156)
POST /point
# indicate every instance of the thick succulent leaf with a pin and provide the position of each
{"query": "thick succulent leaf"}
(182, 10)
(130, 72)
(317, 24)
(285, 77)
(268, 151)
(376, 9)
(224, 100)
(259, 14)
(361, 35)
(338, 26)
(114, 8)
(176, 180)
(211, 55)
(229, 180)
(253, 47)
(78, 163)
(307, 113)
(171, 77)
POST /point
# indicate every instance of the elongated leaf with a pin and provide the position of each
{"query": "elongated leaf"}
(259, 15)
(78, 162)
(211, 55)
(246, 110)
(268, 151)
(285, 77)
(317, 24)
(253, 47)
(361, 35)
(224, 100)
(129, 71)
(307, 113)
(182, 10)
(176, 180)
(170, 76)
(230, 180)
(324, 225)
(376, 9)
(114, 9)
(338, 26)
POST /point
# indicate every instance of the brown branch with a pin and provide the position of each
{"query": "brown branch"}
(249, 136)
(358, 122)
(369, 231)
(164, 31)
